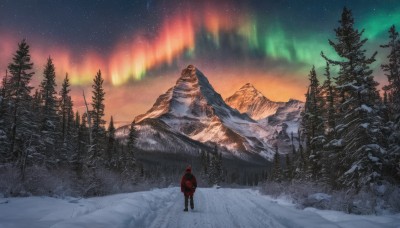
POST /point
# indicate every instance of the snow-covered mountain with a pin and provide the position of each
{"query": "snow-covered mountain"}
(289, 113)
(279, 119)
(155, 135)
(193, 109)
(274, 116)
(284, 124)
(252, 102)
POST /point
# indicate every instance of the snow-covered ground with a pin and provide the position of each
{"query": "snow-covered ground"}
(163, 208)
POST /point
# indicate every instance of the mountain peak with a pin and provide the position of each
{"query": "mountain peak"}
(189, 71)
(249, 90)
(192, 97)
(247, 85)
(252, 102)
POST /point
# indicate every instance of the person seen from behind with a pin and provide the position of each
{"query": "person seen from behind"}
(188, 187)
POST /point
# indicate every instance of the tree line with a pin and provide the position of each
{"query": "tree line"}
(350, 134)
(41, 130)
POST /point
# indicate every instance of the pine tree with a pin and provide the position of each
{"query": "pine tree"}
(392, 103)
(83, 137)
(357, 123)
(97, 114)
(48, 94)
(129, 160)
(50, 119)
(204, 162)
(111, 159)
(277, 171)
(132, 138)
(5, 156)
(215, 168)
(288, 168)
(306, 120)
(313, 125)
(77, 119)
(69, 132)
(4, 89)
(300, 161)
(22, 130)
(66, 110)
(219, 169)
(328, 91)
(392, 71)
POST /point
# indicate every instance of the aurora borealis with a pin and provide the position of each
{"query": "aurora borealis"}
(141, 46)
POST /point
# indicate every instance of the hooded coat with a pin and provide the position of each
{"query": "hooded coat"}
(188, 177)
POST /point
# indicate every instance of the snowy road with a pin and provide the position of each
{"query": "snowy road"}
(163, 208)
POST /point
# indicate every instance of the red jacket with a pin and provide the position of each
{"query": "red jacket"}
(190, 178)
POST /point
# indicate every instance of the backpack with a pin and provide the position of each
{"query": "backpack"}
(188, 183)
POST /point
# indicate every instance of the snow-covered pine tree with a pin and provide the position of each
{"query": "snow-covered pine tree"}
(66, 110)
(328, 93)
(5, 121)
(392, 102)
(50, 126)
(313, 126)
(82, 142)
(132, 138)
(69, 129)
(4, 89)
(129, 160)
(23, 134)
(288, 168)
(204, 162)
(97, 114)
(76, 139)
(392, 72)
(329, 157)
(358, 123)
(219, 169)
(77, 121)
(111, 158)
(277, 170)
(300, 159)
(215, 169)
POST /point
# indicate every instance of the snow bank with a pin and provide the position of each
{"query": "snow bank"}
(214, 207)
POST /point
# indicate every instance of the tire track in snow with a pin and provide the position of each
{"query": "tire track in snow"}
(234, 208)
(164, 208)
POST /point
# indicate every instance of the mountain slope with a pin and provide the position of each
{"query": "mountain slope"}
(252, 102)
(156, 136)
(280, 119)
(194, 109)
(284, 124)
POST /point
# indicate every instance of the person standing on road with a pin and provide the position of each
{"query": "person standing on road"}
(188, 187)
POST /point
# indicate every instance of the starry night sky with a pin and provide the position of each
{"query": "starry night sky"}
(141, 46)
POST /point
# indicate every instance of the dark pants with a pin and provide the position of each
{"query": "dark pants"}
(191, 202)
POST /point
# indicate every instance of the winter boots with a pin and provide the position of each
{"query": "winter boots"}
(187, 202)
